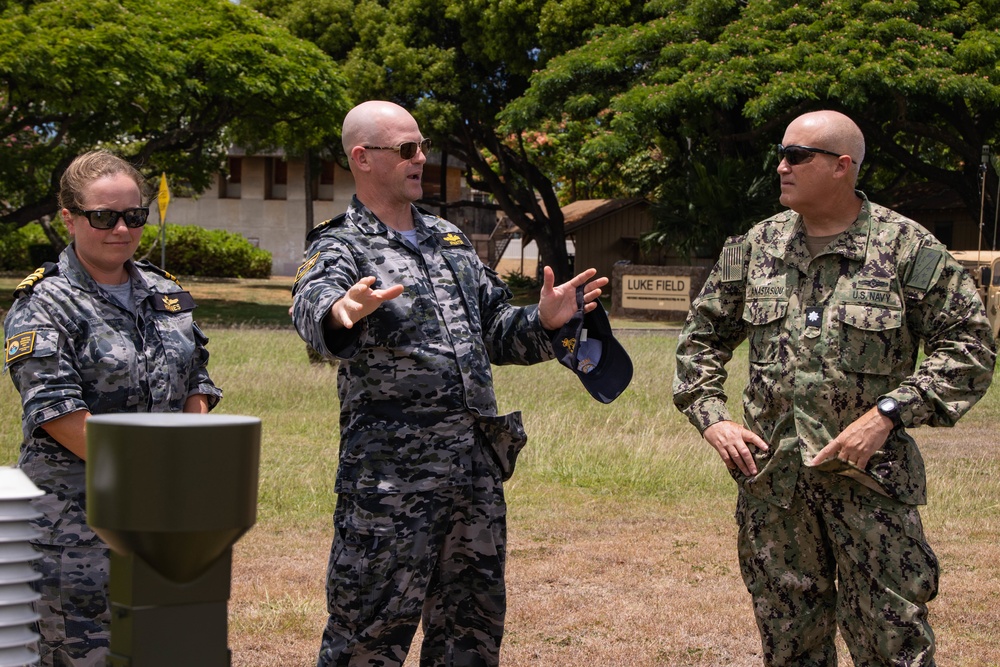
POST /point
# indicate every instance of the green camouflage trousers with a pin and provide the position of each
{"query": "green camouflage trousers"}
(844, 555)
(75, 620)
(399, 558)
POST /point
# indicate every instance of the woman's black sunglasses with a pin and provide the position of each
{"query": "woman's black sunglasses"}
(801, 154)
(106, 219)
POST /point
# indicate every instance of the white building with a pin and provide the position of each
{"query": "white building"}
(263, 198)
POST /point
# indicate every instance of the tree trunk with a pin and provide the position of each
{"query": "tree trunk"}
(57, 241)
(307, 170)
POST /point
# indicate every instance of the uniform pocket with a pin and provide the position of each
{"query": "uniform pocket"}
(362, 563)
(764, 317)
(869, 338)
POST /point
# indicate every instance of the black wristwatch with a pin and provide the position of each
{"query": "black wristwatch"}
(889, 407)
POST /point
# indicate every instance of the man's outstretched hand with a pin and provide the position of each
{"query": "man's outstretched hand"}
(360, 302)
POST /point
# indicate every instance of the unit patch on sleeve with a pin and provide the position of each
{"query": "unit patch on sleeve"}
(19, 346)
(924, 268)
(306, 265)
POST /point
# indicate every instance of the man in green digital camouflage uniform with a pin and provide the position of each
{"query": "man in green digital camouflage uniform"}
(401, 297)
(834, 298)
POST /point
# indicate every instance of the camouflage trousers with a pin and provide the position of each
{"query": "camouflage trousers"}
(75, 619)
(844, 555)
(436, 556)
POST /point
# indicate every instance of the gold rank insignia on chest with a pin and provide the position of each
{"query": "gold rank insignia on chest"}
(452, 239)
(19, 346)
(173, 302)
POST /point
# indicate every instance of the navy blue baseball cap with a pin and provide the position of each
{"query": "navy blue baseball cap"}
(587, 346)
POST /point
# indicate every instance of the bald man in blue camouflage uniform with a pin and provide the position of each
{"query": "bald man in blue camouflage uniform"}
(95, 333)
(401, 297)
(834, 297)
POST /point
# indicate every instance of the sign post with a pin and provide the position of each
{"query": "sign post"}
(163, 199)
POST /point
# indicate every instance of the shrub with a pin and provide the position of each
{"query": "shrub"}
(212, 253)
(191, 251)
(24, 249)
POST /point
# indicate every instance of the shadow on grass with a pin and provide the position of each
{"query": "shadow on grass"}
(228, 313)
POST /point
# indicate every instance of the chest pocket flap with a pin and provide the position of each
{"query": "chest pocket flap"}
(870, 338)
(870, 318)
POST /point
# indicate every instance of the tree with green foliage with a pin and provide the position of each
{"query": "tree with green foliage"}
(724, 77)
(167, 84)
(455, 64)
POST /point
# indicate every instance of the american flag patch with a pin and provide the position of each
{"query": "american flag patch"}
(732, 263)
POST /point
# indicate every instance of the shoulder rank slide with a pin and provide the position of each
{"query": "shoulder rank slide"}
(27, 285)
(337, 221)
(146, 265)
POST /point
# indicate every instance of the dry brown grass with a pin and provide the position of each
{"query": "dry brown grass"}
(605, 582)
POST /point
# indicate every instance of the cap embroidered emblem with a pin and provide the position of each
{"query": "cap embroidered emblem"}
(569, 344)
(173, 305)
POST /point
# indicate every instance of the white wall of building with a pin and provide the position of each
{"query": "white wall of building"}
(276, 225)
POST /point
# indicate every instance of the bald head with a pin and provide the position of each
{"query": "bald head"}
(367, 123)
(833, 131)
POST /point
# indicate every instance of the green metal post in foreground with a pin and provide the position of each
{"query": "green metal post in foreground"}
(171, 494)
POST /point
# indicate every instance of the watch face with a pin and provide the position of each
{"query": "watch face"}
(887, 405)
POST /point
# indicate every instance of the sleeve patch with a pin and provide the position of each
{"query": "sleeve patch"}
(306, 265)
(924, 268)
(21, 345)
(733, 263)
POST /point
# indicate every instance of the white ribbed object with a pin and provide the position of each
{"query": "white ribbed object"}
(18, 641)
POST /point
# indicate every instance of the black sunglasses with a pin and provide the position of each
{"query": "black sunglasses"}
(801, 154)
(106, 219)
(407, 150)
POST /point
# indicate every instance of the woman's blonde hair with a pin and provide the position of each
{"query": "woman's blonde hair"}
(87, 168)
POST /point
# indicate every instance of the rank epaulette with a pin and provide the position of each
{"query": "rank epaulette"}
(146, 265)
(326, 224)
(27, 285)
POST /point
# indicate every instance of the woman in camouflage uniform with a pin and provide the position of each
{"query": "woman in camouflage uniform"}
(95, 333)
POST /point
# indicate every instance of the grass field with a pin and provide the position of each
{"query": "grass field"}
(621, 537)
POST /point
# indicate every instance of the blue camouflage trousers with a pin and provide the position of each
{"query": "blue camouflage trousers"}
(841, 554)
(75, 620)
(399, 559)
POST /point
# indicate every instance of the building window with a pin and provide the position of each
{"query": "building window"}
(276, 178)
(323, 182)
(230, 184)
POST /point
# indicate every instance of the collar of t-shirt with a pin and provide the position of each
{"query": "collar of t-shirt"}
(815, 244)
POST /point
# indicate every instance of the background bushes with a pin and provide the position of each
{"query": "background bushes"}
(213, 253)
(191, 251)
